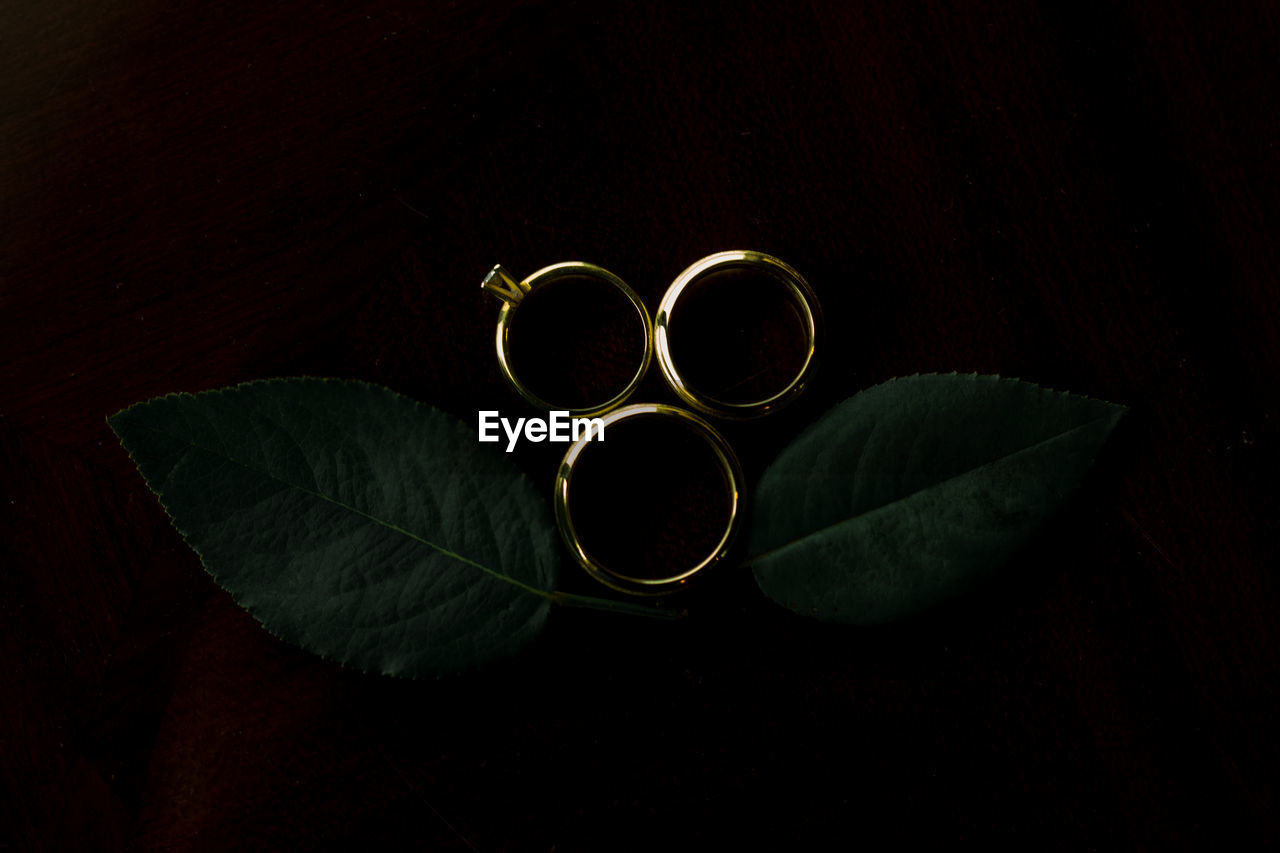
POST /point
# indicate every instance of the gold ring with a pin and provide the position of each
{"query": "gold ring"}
(503, 285)
(799, 291)
(729, 466)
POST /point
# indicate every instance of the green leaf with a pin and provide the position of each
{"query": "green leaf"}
(351, 521)
(909, 492)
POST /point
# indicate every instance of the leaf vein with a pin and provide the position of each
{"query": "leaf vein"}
(854, 518)
(379, 521)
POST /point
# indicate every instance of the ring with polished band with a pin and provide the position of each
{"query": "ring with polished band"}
(503, 285)
(800, 294)
(580, 450)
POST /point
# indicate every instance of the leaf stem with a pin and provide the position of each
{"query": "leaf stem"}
(568, 599)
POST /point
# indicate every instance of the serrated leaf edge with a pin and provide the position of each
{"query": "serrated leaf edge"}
(1118, 411)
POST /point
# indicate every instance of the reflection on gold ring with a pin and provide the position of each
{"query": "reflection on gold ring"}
(502, 284)
(799, 291)
(733, 478)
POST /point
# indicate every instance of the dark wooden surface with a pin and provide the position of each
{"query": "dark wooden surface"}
(196, 194)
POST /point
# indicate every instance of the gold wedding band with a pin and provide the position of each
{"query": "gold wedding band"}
(503, 285)
(797, 289)
(580, 449)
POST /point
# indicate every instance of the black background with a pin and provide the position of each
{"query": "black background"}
(196, 194)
